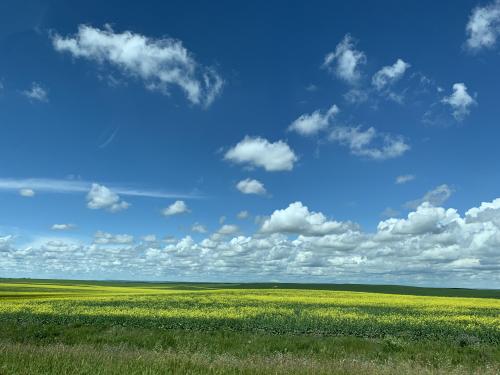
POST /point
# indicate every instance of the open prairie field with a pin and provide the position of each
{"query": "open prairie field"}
(73, 327)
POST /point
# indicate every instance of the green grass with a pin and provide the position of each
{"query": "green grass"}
(77, 327)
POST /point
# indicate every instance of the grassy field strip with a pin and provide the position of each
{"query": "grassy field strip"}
(84, 359)
(256, 330)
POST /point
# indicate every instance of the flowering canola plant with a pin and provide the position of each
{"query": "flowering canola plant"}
(278, 311)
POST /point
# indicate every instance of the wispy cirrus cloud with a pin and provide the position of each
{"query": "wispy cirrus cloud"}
(108, 137)
(48, 185)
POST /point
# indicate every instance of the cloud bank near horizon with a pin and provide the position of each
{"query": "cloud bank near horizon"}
(432, 245)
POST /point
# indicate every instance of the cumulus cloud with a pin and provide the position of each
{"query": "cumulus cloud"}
(426, 219)
(225, 231)
(486, 212)
(36, 93)
(198, 228)
(100, 197)
(361, 142)
(389, 74)
(242, 215)
(297, 219)
(159, 63)
(251, 186)
(310, 124)
(259, 152)
(149, 238)
(228, 229)
(176, 208)
(312, 87)
(436, 197)
(63, 227)
(389, 212)
(5, 240)
(431, 246)
(403, 179)
(483, 27)
(357, 96)
(104, 238)
(27, 193)
(460, 101)
(346, 60)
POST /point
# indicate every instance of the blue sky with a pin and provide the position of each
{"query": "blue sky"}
(356, 141)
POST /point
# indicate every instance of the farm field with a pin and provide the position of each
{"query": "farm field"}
(79, 327)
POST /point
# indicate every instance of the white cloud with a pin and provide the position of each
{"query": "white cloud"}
(345, 60)
(435, 197)
(149, 238)
(389, 74)
(159, 63)
(259, 152)
(251, 186)
(297, 219)
(27, 193)
(389, 212)
(100, 197)
(357, 96)
(228, 229)
(176, 208)
(483, 27)
(460, 101)
(310, 124)
(79, 186)
(312, 87)
(360, 142)
(431, 246)
(366, 143)
(426, 219)
(403, 179)
(486, 212)
(104, 238)
(383, 86)
(198, 228)
(242, 215)
(36, 92)
(63, 227)
(223, 232)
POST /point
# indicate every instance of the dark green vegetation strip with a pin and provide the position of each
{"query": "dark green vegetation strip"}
(54, 349)
(364, 288)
